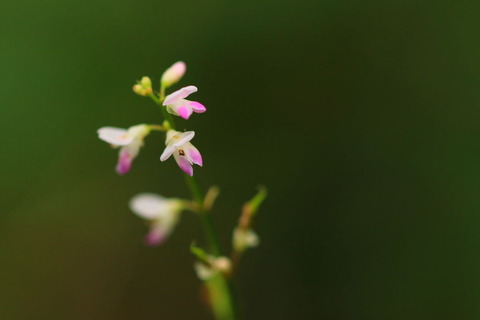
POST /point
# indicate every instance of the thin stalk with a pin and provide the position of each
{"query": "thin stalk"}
(220, 289)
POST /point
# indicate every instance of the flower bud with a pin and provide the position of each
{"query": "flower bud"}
(146, 82)
(143, 87)
(244, 239)
(173, 74)
(222, 264)
(207, 269)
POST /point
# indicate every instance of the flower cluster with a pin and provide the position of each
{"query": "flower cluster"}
(177, 143)
(161, 213)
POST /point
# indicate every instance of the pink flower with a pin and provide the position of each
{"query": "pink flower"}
(185, 154)
(162, 213)
(179, 106)
(130, 140)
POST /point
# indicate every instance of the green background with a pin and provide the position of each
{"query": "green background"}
(361, 118)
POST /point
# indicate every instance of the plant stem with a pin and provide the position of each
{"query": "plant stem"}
(220, 289)
(212, 238)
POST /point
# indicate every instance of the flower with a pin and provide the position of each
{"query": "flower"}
(162, 213)
(130, 140)
(185, 154)
(173, 74)
(179, 106)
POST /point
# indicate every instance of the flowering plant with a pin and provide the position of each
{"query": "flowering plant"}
(213, 266)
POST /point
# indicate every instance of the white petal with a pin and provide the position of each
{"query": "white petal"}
(148, 205)
(115, 136)
(181, 138)
(179, 94)
(139, 132)
(169, 150)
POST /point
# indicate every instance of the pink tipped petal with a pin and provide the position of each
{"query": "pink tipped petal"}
(193, 154)
(124, 162)
(197, 106)
(179, 94)
(155, 237)
(184, 164)
(184, 112)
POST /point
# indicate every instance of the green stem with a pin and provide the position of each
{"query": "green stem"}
(166, 115)
(220, 289)
(212, 237)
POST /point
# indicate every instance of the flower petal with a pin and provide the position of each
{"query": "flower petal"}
(197, 106)
(179, 94)
(115, 136)
(184, 111)
(183, 163)
(193, 154)
(124, 161)
(148, 205)
(155, 237)
(169, 150)
(180, 138)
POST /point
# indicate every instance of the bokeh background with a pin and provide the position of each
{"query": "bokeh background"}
(361, 118)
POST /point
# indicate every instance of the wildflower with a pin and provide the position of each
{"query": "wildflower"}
(162, 213)
(173, 74)
(179, 106)
(185, 154)
(130, 140)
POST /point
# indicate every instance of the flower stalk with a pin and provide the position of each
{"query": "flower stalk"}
(219, 289)
(162, 214)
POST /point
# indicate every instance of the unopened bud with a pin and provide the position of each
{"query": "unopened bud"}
(203, 271)
(146, 82)
(244, 239)
(138, 89)
(143, 87)
(173, 74)
(222, 264)
(211, 266)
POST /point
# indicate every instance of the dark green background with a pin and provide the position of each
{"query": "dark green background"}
(361, 117)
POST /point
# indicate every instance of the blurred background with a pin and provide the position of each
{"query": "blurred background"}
(361, 118)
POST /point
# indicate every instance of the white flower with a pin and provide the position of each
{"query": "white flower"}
(179, 106)
(130, 140)
(185, 154)
(162, 213)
